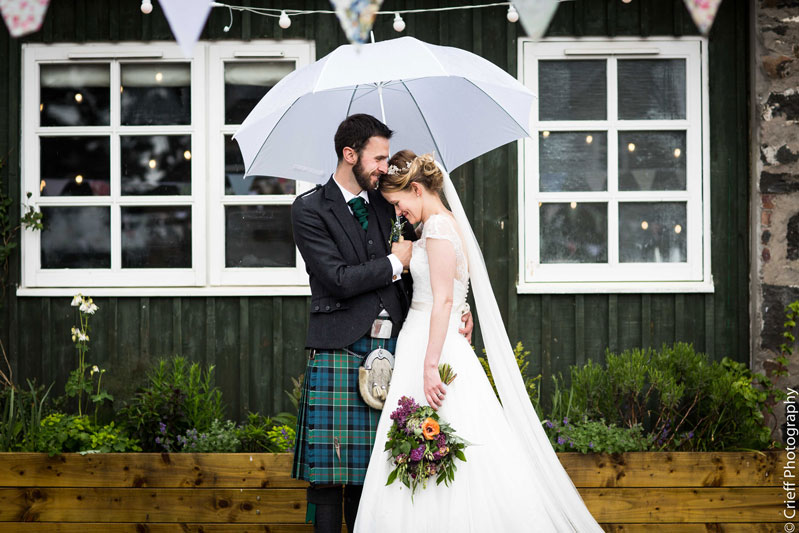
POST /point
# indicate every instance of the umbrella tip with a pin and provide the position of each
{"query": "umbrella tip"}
(372, 34)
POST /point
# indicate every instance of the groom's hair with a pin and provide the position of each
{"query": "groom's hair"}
(355, 132)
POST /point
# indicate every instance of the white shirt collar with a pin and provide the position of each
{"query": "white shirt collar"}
(349, 196)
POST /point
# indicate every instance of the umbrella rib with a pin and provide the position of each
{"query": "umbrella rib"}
(413, 98)
(497, 104)
(352, 98)
(247, 170)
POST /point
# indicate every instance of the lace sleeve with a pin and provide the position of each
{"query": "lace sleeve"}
(441, 227)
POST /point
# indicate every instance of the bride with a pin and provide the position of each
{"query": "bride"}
(512, 480)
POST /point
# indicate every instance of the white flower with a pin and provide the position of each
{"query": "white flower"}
(95, 369)
(74, 333)
(88, 307)
(82, 336)
(77, 300)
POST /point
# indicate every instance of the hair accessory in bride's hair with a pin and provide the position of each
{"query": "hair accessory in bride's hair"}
(393, 169)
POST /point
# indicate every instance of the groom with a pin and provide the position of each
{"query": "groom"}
(358, 303)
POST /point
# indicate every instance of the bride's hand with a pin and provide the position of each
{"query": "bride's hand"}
(434, 389)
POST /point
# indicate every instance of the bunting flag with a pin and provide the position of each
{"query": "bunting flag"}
(356, 17)
(536, 15)
(186, 19)
(23, 16)
(703, 12)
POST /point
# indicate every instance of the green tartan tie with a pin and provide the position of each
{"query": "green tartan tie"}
(358, 206)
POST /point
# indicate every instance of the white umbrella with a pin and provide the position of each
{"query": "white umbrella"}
(435, 98)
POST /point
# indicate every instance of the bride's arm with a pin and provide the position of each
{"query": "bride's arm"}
(443, 269)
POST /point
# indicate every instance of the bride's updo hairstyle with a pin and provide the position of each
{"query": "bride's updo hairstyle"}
(405, 168)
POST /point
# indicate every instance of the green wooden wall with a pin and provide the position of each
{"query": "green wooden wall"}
(256, 343)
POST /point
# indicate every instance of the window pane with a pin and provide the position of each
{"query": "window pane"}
(574, 233)
(156, 237)
(651, 89)
(76, 237)
(74, 166)
(572, 90)
(259, 236)
(154, 94)
(236, 184)
(74, 95)
(247, 82)
(652, 160)
(652, 232)
(156, 164)
(573, 161)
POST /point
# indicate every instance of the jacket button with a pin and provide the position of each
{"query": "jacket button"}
(381, 305)
(327, 308)
(338, 304)
(316, 308)
(370, 241)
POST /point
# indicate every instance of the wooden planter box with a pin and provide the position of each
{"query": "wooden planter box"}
(213, 493)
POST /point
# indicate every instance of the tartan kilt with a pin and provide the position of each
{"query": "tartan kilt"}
(335, 428)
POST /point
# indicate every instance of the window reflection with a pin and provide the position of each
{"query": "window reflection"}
(259, 236)
(651, 89)
(156, 237)
(156, 164)
(573, 161)
(74, 95)
(574, 232)
(237, 184)
(76, 237)
(156, 93)
(74, 166)
(572, 90)
(652, 232)
(652, 161)
(246, 82)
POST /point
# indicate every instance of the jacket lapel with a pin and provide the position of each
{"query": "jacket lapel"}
(348, 224)
(385, 214)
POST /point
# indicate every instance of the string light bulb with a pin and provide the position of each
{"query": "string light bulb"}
(399, 24)
(146, 6)
(284, 21)
(513, 15)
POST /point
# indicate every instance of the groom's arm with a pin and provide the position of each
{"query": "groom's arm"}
(323, 258)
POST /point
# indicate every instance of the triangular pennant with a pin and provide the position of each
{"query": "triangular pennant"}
(186, 19)
(23, 16)
(536, 15)
(356, 17)
(703, 12)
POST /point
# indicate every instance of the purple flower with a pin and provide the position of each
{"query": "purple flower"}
(561, 440)
(441, 440)
(158, 440)
(690, 434)
(590, 444)
(162, 427)
(550, 425)
(417, 454)
(565, 421)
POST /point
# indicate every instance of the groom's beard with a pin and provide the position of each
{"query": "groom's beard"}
(364, 180)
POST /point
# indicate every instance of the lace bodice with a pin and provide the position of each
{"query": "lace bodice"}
(438, 226)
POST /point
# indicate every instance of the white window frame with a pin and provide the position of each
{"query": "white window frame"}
(613, 277)
(207, 276)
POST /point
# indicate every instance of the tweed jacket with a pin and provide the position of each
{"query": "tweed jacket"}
(348, 268)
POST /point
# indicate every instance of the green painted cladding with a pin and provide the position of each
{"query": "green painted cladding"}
(256, 343)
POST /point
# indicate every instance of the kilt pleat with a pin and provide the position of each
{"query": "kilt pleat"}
(335, 428)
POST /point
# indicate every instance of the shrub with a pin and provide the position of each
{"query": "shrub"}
(62, 433)
(595, 437)
(177, 397)
(22, 413)
(220, 437)
(264, 434)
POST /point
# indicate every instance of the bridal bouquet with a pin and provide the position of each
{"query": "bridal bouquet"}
(422, 445)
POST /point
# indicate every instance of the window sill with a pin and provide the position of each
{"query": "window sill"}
(260, 290)
(616, 287)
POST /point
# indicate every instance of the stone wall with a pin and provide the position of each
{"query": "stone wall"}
(775, 168)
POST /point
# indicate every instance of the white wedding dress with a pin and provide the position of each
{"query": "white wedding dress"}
(499, 488)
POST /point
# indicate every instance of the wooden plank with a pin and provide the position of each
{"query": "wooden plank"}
(228, 470)
(56, 504)
(630, 505)
(668, 505)
(52, 527)
(265, 470)
(675, 469)
(33, 527)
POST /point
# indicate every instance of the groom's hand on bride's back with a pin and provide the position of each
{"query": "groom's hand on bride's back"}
(468, 326)
(402, 250)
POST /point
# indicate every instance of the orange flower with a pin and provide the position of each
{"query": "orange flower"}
(430, 428)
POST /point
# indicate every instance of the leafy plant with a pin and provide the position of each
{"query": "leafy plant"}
(177, 397)
(221, 437)
(522, 357)
(62, 433)
(265, 434)
(21, 416)
(596, 436)
(296, 391)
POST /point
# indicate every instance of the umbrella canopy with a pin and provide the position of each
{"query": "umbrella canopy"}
(435, 98)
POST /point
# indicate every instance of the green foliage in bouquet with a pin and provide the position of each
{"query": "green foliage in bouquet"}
(177, 397)
(422, 446)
